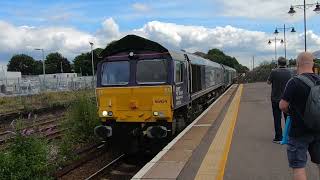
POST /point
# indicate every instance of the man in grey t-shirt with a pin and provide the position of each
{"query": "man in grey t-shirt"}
(278, 79)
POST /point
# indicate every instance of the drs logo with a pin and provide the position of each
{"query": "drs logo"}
(160, 101)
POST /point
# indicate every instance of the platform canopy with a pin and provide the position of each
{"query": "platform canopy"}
(132, 43)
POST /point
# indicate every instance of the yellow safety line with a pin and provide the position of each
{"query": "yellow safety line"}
(214, 162)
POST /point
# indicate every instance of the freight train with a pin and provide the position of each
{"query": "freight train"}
(145, 89)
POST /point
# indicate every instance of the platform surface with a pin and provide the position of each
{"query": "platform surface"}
(252, 155)
(232, 140)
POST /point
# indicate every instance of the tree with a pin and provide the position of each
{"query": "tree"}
(38, 68)
(292, 62)
(82, 63)
(218, 56)
(56, 63)
(22, 63)
(201, 54)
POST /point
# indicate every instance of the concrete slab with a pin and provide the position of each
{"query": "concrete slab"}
(164, 170)
(176, 155)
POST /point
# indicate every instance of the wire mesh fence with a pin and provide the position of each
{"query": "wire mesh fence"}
(27, 85)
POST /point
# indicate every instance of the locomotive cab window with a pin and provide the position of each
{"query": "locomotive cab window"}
(115, 73)
(179, 66)
(152, 71)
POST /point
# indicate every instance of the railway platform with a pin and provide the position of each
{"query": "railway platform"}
(231, 140)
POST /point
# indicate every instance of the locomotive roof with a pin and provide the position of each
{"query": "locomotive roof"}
(132, 43)
(202, 61)
(136, 43)
(228, 68)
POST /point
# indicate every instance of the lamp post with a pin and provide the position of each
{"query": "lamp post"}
(43, 64)
(91, 44)
(284, 36)
(304, 6)
(275, 45)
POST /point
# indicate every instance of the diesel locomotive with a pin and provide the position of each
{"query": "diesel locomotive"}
(145, 89)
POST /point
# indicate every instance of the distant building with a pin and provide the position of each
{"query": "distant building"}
(8, 80)
(59, 76)
(7, 77)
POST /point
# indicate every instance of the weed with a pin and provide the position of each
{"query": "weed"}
(25, 158)
(81, 120)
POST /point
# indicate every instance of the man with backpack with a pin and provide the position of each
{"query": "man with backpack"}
(301, 99)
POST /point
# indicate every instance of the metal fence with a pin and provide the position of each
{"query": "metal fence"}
(35, 84)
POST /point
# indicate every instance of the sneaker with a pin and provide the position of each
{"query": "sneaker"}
(277, 140)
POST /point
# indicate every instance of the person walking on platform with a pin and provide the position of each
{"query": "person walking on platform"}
(301, 99)
(278, 79)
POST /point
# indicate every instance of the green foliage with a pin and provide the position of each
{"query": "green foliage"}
(81, 120)
(292, 62)
(218, 56)
(38, 68)
(56, 63)
(22, 63)
(42, 100)
(26, 158)
(82, 63)
(260, 73)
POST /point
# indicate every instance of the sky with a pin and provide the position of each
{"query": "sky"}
(241, 28)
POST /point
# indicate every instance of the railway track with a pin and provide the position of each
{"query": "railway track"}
(104, 168)
(48, 127)
(123, 166)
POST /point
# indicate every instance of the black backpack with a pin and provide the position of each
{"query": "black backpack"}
(312, 111)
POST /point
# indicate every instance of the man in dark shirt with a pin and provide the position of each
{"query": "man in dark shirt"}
(301, 139)
(278, 79)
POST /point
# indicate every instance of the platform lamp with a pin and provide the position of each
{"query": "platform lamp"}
(284, 29)
(91, 44)
(43, 64)
(275, 45)
(304, 6)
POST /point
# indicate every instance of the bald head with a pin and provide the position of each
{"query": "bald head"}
(305, 62)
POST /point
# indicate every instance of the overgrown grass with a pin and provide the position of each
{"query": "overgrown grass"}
(32, 157)
(25, 158)
(81, 120)
(48, 99)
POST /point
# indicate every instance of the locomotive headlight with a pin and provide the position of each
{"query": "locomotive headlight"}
(110, 113)
(156, 113)
(104, 113)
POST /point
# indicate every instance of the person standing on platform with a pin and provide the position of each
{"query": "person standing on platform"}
(278, 79)
(297, 100)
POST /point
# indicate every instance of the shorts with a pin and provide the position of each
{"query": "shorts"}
(299, 146)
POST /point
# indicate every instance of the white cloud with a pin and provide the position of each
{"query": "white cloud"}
(65, 40)
(109, 31)
(265, 9)
(237, 42)
(140, 7)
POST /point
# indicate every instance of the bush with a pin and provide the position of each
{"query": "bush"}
(259, 74)
(25, 158)
(81, 120)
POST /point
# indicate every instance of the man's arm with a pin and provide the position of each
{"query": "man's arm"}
(287, 96)
(269, 81)
(284, 105)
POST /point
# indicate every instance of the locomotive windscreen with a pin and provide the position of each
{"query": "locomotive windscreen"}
(115, 73)
(152, 71)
